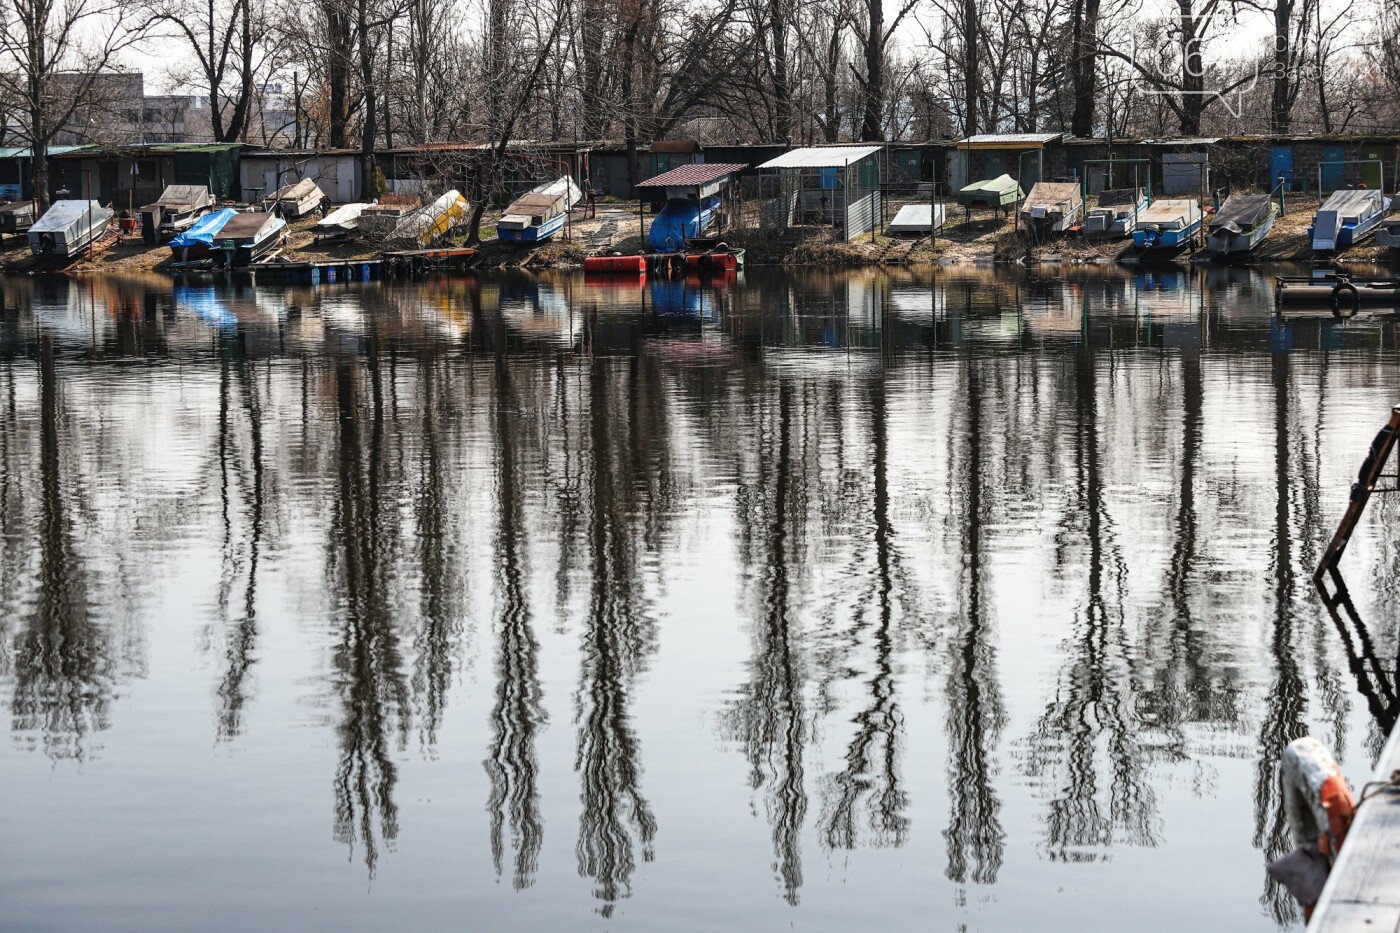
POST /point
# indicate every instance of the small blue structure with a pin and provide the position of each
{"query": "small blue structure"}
(694, 202)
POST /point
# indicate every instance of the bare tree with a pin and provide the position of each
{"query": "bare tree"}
(40, 40)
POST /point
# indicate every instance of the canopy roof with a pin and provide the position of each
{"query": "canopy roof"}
(821, 157)
(693, 176)
(1009, 140)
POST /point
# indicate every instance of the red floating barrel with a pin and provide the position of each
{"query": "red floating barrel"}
(712, 262)
(615, 264)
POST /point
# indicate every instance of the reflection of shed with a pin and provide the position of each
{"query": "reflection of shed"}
(835, 186)
(1026, 157)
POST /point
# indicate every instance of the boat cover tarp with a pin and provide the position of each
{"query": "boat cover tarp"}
(204, 229)
(184, 197)
(1001, 191)
(680, 220)
(1054, 197)
(1354, 203)
(1241, 212)
(72, 218)
(17, 207)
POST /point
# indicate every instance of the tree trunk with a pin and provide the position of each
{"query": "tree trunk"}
(782, 90)
(369, 128)
(970, 67)
(871, 124)
(1281, 103)
(1084, 66)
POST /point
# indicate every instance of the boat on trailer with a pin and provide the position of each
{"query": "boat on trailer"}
(341, 221)
(69, 227)
(297, 199)
(1052, 207)
(1347, 218)
(16, 217)
(249, 236)
(1116, 213)
(1241, 224)
(1169, 225)
(539, 213)
(178, 207)
(198, 240)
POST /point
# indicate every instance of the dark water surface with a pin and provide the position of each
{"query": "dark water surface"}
(822, 601)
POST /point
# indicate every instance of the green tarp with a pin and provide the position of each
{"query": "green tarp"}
(1002, 191)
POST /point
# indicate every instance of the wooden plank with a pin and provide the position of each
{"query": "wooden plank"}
(1363, 890)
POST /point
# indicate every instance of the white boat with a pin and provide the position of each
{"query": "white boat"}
(1241, 224)
(917, 219)
(178, 207)
(1347, 218)
(1116, 213)
(539, 213)
(68, 227)
(249, 236)
(431, 222)
(296, 200)
(342, 220)
(1052, 207)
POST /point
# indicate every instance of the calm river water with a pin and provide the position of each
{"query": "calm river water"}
(967, 600)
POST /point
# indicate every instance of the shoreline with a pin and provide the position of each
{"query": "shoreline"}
(614, 230)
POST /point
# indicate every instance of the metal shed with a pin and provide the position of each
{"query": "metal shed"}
(830, 186)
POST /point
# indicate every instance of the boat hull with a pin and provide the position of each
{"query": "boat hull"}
(1228, 243)
(535, 233)
(1167, 241)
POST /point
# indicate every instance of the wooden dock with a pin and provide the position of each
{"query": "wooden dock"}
(1363, 891)
(317, 272)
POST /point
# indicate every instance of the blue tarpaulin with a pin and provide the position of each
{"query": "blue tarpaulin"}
(680, 220)
(204, 229)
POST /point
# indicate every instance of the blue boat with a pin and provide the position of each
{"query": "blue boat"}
(1167, 226)
(1347, 218)
(199, 238)
(679, 220)
(206, 305)
(539, 213)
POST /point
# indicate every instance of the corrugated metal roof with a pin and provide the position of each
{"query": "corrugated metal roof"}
(686, 176)
(1009, 140)
(22, 152)
(1183, 141)
(821, 157)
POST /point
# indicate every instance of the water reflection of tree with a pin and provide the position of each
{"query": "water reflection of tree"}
(871, 771)
(617, 637)
(518, 714)
(63, 666)
(769, 720)
(242, 633)
(1086, 745)
(370, 684)
(975, 716)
